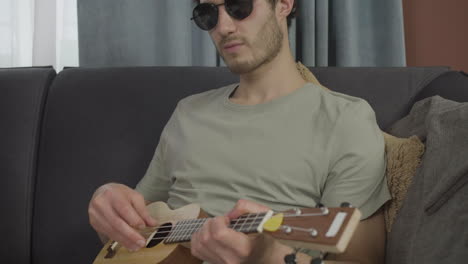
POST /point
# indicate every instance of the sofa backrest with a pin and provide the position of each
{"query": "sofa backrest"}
(102, 125)
(23, 92)
(390, 91)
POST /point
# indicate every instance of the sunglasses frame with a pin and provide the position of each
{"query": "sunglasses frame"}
(215, 7)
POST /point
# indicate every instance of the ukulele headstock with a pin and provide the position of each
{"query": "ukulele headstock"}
(324, 229)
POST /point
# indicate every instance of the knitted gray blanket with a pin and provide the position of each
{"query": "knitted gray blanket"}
(432, 225)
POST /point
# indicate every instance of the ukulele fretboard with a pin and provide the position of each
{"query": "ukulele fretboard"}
(183, 230)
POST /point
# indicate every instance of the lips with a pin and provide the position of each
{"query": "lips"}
(232, 45)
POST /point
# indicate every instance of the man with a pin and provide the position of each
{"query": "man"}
(271, 141)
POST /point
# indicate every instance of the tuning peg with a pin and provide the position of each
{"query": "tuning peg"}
(346, 205)
(297, 211)
(322, 207)
(287, 229)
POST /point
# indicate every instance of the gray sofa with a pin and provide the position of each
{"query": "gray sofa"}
(64, 135)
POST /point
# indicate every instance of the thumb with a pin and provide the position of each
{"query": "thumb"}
(142, 210)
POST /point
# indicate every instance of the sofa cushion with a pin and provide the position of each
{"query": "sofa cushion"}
(403, 159)
(22, 96)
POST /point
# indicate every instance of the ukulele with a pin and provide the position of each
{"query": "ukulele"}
(324, 229)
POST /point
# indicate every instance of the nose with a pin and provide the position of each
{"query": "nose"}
(226, 24)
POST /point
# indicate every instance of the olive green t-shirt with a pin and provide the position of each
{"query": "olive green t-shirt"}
(305, 147)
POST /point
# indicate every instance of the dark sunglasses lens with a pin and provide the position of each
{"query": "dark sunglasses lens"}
(239, 9)
(205, 16)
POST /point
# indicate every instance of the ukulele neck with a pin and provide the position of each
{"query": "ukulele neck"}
(249, 223)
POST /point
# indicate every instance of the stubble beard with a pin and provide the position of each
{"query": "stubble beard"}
(265, 48)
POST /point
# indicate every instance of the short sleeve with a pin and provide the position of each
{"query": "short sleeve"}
(357, 161)
(154, 186)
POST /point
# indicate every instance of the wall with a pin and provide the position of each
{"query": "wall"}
(436, 33)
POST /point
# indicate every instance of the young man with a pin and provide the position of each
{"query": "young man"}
(271, 141)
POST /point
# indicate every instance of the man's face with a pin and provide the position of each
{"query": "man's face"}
(250, 43)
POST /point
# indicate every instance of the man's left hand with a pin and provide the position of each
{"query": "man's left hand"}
(216, 243)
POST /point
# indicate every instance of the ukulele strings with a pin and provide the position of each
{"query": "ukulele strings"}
(194, 225)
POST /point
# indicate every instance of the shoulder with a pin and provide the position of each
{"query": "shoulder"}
(205, 99)
(338, 106)
(352, 121)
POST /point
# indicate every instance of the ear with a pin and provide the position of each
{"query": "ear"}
(284, 8)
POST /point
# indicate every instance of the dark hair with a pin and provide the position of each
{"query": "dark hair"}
(273, 4)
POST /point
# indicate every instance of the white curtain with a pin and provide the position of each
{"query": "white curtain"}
(38, 33)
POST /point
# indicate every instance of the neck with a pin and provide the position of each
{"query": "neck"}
(277, 78)
(183, 230)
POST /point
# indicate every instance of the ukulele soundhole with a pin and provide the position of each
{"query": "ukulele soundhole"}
(161, 233)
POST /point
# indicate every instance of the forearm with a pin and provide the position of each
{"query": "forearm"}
(267, 250)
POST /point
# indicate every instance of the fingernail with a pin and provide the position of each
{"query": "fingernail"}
(141, 243)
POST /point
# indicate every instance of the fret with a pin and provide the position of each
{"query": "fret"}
(186, 227)
(169, 236)
(247, 219)
(257, 219)
(235, 224)
(241, 227)
(183, 230)
(180, 228)
(192, 228)
(252, 223)
(172, 235)
(183, 235)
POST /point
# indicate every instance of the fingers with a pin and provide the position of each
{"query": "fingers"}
(127, 212)
(116, 234)
(115, 211)
(200, 248)
(216, 243)
(236, 243)
(245, 206)
(139, 204)
(119, 228)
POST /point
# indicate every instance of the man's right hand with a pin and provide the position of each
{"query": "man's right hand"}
(116, 210)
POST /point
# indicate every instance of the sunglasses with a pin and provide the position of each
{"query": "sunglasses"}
(206, 15)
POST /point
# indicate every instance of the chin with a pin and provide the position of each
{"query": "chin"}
(241, 67)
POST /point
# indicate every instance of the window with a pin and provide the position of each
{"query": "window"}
(38, 32)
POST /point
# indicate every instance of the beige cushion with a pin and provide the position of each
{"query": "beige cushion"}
(403, 156)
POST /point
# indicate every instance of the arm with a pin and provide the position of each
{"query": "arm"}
(367, 246)
(357, 176)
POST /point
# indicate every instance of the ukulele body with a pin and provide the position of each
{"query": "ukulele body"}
(161, 253)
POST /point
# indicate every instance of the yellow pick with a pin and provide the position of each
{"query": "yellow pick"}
(274, 223)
